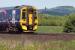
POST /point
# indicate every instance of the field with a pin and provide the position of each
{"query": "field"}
(50, 29)
(50, 45)
(36, 42)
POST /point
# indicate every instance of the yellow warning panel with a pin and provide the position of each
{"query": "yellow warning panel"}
(30, 19)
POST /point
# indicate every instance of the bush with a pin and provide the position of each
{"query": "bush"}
(70, 24)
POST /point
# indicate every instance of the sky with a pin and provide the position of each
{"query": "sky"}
(37, 3)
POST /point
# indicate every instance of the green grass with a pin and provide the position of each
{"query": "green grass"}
(50, 29)
(37, 45)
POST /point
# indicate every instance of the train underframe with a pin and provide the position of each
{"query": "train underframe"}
(9, 27)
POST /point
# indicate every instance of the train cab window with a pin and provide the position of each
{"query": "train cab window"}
(35, 15)
(23, 15)
(24, 10)
(32, 11)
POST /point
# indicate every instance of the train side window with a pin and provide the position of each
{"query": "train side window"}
(3, 15)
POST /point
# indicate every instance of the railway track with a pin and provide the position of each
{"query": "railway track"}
(36, 37)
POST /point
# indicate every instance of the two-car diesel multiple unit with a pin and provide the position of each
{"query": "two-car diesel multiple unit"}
(20, 18)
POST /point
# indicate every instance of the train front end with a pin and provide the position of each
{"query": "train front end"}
(28, 19)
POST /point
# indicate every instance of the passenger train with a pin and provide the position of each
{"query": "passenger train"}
(18, 19)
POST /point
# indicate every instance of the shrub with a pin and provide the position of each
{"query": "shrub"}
(70, 24)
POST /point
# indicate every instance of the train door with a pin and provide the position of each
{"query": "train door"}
(30, 19)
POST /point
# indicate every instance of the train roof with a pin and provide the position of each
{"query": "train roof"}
(15, 7)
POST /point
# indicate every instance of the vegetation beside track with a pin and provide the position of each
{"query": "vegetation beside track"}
(48, 20)
(67, 22)
(36, 45)
(51, 24)
(50, 29)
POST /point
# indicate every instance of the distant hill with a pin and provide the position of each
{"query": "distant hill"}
(59, 11)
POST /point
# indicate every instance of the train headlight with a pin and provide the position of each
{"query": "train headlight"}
(36, 21)
(35, 27)
(24, 27)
